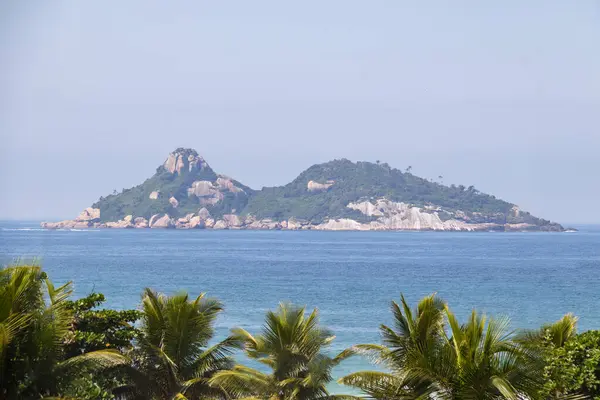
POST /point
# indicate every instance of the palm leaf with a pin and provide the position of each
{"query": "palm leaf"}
(94, 361)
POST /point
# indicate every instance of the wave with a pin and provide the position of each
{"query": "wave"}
(24, 229)
(71, 230)
(47, 230)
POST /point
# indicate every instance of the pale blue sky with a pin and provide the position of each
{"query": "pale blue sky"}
(503, 95)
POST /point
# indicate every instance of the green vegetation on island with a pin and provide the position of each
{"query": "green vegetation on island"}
(339, 194)
(138, 200)
(364, 180)
(54, 347)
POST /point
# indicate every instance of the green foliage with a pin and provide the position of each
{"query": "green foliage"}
(555, 334)
(292, 346)
(51, 346)
(173, 358)
(88, 386)
(136, 201)
(364, 180)
(100, 329)
(35, 322)
(93, 330)
(431, 355)
(573, 368)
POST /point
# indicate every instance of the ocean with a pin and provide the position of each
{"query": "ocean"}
(351, 277)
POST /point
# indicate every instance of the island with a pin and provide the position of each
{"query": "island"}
(186, 193)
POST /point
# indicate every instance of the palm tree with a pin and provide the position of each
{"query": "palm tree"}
(544, 343)
(291, 346)
(411, 342)
(556, 334)
(34, 326)
(173, 358)
(430, 355)
(485, 361)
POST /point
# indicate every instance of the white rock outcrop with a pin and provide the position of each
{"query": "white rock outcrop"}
(140, 222)
(161, 221)
(177, 161)
(515, 211)
(292, 224)
(401, 216)
(232, 221)
(366, 208)
(196, 222)
(206, 192)
(313, 186)
(226, 183)
(342, 224)
(89, 214)
(220, 224)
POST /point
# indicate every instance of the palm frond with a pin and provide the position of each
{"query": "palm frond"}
(557, 333)
(379, 385)
(95, 361)
(242, 382)
(505, 388)
(216, 357)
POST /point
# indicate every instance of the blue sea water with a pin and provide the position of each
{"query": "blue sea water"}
(350, 276)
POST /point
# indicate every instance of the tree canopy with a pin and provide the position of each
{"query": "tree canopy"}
(55, 347)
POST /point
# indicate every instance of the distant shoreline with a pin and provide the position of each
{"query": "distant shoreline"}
(567, 230)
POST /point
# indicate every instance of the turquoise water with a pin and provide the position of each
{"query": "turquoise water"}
(350, 276)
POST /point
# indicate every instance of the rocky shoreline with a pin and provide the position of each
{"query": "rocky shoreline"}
(385, 215)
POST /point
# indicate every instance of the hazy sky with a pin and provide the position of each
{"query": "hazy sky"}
(503, 95)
